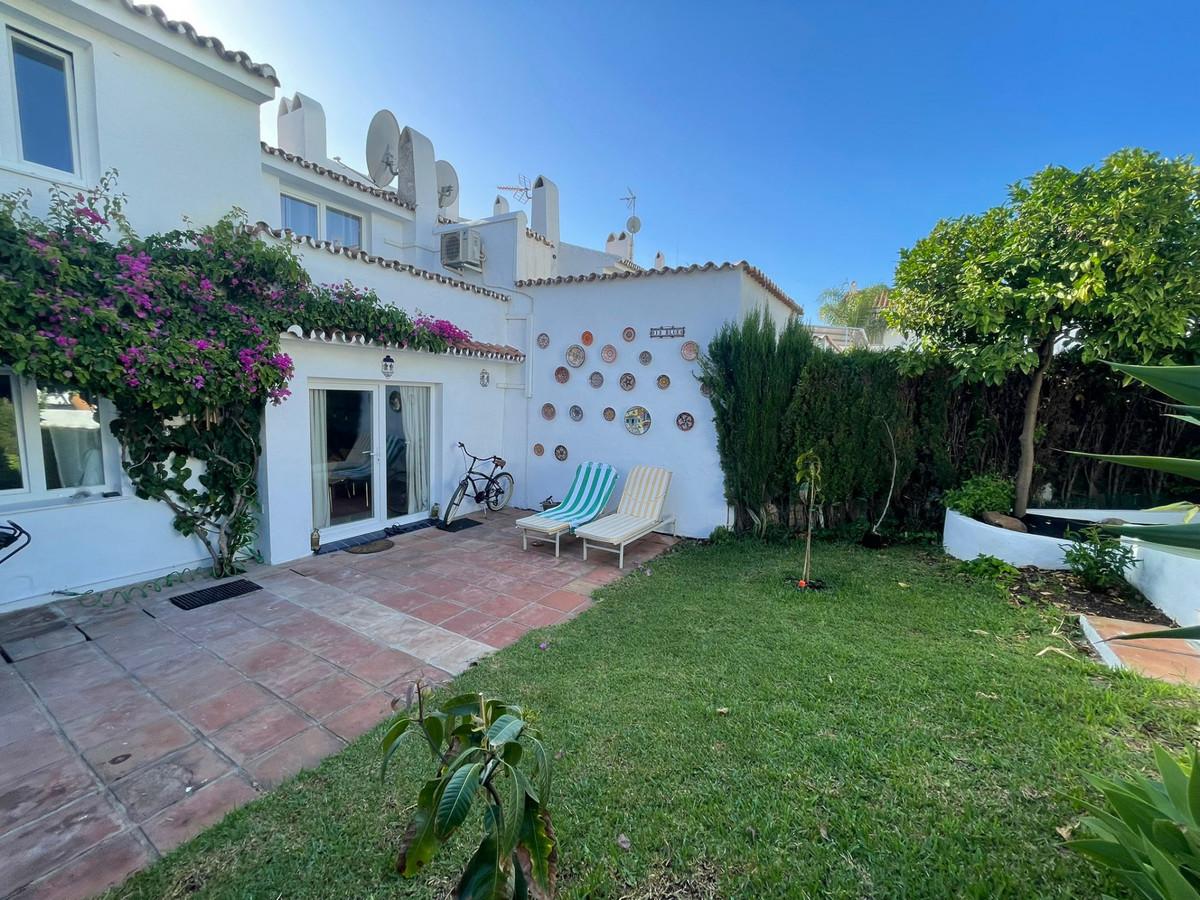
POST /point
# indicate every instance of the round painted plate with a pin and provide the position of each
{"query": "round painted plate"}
(576, 413)
(628, 333)
(609, 414)
(538, 449)
(586, 339)
(548, 411)
(684, 421)
(627, 381)
(645, 357)
(690, 350)
(575, 356)
(562, 374)
(560, 453)
(663, 382)
(637, 420)
(608, 353)
(543, 340)
(595, 379)
(705, 390)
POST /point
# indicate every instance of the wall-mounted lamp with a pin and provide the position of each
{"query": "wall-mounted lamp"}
(388, 367)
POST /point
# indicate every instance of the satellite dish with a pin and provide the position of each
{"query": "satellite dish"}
(383, 143)
(633, 225)
(447, 182)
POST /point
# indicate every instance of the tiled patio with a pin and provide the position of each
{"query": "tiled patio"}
(126, 729)
(1168, 660)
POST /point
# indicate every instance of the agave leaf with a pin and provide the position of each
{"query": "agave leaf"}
(1194, 786)
(1191, 420)
(1169, 876)
(456, 799)
(1186, 633)
(1186, 537)
(1180, 383)
(1107, 853)
(506, 728)
(1175, 783)
(1172, 465)
(483, 878)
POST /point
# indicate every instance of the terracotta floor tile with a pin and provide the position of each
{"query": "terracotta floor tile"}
(202, 808)
(405, 600)
(537, 616)
(35, 751)
(214, 713)
(579, 586)
(330, 695)
(360, 717)
(113, 721)
(303, 751)
(289, 679)
(43, 845)
(259, 732)
(437, 611)
(501, 605)
(107, 864)
(137, 747)
(170, 780)
(502, 633)
(192, 684)
(28, 796)
(87, 700)
(269, 657)
(563, 601)
(469, 622)
(346, 650)
(384, 666)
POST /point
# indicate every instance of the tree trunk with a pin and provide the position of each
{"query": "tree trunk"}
(1028, 427)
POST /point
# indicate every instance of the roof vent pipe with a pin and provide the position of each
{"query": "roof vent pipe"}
(544, 216)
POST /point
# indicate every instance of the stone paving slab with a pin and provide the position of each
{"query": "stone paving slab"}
(126, 730)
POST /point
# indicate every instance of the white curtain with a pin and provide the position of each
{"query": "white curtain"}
(319, 443)
(414, 408)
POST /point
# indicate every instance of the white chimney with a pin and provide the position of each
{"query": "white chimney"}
(500, 207)
(660, 261)
(544, 217)
(620, 246)
(301, 128)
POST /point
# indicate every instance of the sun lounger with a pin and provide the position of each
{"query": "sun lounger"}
(586, 498)
(639, 512)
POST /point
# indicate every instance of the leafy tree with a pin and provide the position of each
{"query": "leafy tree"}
(854, 308)
(1106, 258)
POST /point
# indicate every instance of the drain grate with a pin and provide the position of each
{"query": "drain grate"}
(205, 596)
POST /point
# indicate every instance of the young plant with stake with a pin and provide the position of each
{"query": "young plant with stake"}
(478, 746)
(808, 476)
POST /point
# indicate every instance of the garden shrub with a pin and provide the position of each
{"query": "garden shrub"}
(980, 494)
(1099, 561)
(990, 568)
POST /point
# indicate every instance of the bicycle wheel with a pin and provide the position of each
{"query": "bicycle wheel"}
(455, 503)
(500, 491)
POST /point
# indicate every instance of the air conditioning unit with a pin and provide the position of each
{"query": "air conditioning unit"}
(462, 250)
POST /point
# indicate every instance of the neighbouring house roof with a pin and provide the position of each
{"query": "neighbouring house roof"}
(334, 175)
(755, 273)
(365, 257)
(538, 236)
(477, 349)
(839, 338)
(150, 11)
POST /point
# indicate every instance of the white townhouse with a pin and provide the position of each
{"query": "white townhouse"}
(574, 348)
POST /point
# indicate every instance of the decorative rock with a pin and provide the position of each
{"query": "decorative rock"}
(1112, 520)
(1000, 520)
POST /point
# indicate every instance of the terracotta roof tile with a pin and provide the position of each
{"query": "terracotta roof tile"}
(477, 349)
(150, 11)
(333, 175)
(754, 272)
(538, 236)
(365, 257)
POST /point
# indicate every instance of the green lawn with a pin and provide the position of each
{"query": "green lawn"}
(881, 740)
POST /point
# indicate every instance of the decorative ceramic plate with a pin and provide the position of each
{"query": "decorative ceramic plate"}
(586, 339)
(560, 453)
(608, 353)
(628, 333)
(576, 413)
(562, 374)
(575, 356)
(690, 350)
(637, 420)
(627, 381)
(595, 379)
(663, 382)
(538, 449)
(548, 411)
(685, 421)
(543, 340)
(609, 414)
(705, 390)
(645, 357)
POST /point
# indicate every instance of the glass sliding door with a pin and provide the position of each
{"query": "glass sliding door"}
(407, 428)
(342, 433)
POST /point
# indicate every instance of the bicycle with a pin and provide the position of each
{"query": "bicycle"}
(492, 489)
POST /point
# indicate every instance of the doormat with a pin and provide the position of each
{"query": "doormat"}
(205, 596)
(459, 525)
(373, 547)
(360, 539)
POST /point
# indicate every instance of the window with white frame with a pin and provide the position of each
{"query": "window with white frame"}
(54, 441)
(306, 217)
(43, 83)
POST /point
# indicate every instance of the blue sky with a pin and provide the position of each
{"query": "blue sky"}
(813, 139)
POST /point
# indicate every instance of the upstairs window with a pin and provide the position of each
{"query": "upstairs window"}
(298, 215)
(344, 228)
(44, 81)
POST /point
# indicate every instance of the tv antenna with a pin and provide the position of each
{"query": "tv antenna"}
(522, 192)
(633, 224)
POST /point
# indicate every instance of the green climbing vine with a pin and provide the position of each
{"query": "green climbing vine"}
(180, 332)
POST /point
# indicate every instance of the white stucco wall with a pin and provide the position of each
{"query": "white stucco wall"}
(1168, 577)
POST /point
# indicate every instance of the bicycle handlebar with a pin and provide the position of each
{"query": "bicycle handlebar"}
(464, 449)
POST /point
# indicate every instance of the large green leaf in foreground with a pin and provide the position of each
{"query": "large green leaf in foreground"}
(1180, 383)
(1174, 465)
(1184, 536)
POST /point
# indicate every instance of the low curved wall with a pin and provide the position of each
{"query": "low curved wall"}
(966, 538)
(1169, 578)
